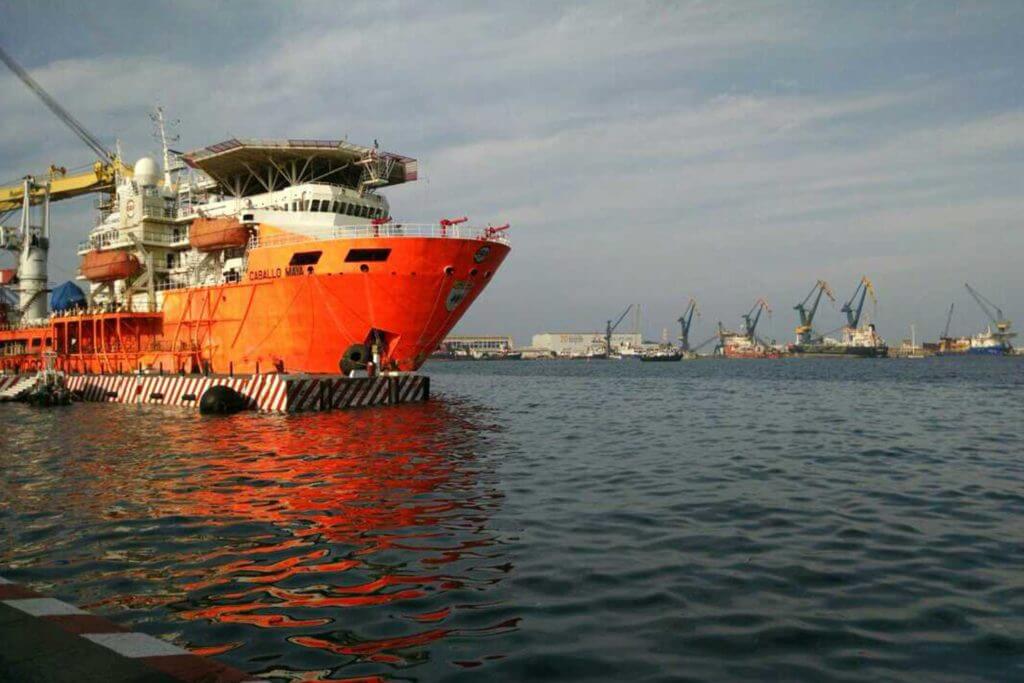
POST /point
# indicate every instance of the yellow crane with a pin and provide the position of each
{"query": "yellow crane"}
(100, 178)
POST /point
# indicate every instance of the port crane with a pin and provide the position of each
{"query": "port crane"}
(684, 324)
(804, 332)
(31, 242)
(751, 318)
(853, 314)
(995, 314)
(610, 329)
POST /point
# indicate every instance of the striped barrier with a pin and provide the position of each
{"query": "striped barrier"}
(44, 639)
(8, 381)
(270, 393)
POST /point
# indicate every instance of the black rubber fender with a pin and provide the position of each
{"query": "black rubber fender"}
(355, 358)
(222, 400)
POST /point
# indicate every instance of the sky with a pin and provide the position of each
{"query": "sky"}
(643, 152)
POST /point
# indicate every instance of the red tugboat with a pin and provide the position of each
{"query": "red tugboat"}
(746, 344)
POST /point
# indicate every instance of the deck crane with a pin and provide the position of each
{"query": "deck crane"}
(995, 314)
(804, 331)
(853, 314)
(684, 324)
(31, 242)
(610, 329)
(751, 318)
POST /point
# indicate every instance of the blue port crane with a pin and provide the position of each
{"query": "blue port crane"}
(804, 331)
(685, 321)
(853, 314)
(994, 313)
(610, 329)
(751, 318)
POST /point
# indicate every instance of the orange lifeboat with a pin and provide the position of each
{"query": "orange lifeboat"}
(107, 266)
(213, 234)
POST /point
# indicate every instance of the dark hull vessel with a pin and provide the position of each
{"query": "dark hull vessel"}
(840, 350)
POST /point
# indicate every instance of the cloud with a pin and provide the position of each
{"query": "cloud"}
(643, 152)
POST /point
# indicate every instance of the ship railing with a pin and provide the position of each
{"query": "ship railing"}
(117, 239)
(383, 230)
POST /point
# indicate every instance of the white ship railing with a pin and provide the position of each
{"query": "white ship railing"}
(168, 237)
(341, 232)
(119, 239)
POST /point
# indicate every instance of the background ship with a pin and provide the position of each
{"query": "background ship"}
(859, 339)
(746, 344)
(996, 340)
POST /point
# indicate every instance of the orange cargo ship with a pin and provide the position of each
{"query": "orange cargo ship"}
(253, 256)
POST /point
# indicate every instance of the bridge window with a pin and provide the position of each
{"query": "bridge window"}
(363, 255)
(305, 258)
(315, 206)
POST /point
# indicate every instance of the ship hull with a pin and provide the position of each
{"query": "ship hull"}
(988, 351)
(292, 319)
(750, 353)
(841, 351)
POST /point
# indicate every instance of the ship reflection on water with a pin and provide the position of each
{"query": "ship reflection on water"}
(313, 548)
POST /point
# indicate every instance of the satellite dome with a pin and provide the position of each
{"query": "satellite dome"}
(146, 172)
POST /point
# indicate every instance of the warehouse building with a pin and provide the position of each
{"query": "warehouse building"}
(584, 343)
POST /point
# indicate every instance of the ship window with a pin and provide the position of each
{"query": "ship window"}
(305, 258)
(35, 342)
(325, 206)
(361, 255)
(295, 206)
(170, 260)
(315, 206)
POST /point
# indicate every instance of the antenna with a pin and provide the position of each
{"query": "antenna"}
(160, 125)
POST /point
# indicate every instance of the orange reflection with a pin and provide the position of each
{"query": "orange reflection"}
(375, 509)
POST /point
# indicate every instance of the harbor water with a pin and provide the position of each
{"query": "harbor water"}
(857, 520)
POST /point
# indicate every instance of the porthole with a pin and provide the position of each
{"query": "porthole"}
(364, 268)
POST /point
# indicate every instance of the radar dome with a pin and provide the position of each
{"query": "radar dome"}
(146, 172)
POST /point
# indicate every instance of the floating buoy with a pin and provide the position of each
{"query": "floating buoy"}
(222, 400)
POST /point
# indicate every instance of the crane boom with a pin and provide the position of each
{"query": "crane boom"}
(63, 114)
(994, 313)
(803, 331)
(949, 321)
(864, 287)
(684, 324)
(100, 178)
(611, 328)
(751, 325)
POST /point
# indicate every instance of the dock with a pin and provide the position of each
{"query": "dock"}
(269, 393)
(45, 639)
